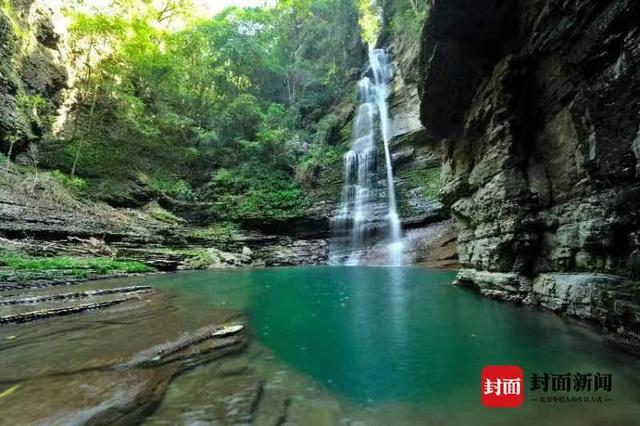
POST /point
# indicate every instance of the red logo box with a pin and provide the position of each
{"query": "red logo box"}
(502, 386)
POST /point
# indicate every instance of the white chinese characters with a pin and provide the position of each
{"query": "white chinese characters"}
(502, 386)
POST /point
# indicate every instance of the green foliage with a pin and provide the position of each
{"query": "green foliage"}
(256, 191)
(200, 259)
(36, 109)
(427, 180)
(178, 189)
(431, 183)
(369, 20)
(158, 213)
(225, 181)
(322, 159)
(220, 111)
(326, 127)
(221, 233)
(6, 6)
(75, 184)
(75, 266)
(408, 17)
(422, 182)
(242, 118)
(270, 203)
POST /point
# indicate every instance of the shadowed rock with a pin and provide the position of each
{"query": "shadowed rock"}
(74, 295)
(128, 356)
(59, 312)
(537, 105)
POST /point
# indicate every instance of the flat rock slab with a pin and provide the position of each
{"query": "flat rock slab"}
(101, 396)
(30, 299)
(203, 397)
(110, 365)
(45, 313)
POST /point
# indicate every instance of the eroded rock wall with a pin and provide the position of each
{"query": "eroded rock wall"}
(32, 72)
(538, 104)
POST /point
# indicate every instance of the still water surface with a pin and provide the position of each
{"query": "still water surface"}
(400, 345)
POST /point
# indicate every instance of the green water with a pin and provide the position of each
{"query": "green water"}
(401, 340)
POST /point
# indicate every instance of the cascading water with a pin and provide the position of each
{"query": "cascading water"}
(356, 220)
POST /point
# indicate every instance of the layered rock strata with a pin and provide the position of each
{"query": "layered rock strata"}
(538, 104)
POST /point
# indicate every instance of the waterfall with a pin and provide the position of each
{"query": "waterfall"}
(356, 221)
(379, 60)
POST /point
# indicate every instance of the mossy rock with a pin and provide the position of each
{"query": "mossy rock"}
(154, 210)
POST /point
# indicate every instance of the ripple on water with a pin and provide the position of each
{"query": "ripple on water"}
(329, 345)
(400, 343)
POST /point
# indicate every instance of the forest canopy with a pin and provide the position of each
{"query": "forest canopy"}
(238, 111)
(218, 110)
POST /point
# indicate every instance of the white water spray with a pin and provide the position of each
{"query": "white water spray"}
(355, 221)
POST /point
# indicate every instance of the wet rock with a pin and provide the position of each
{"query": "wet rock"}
(96, 397)
(209, 399)
(22, 300)
(403, 155)
(311, 225)
(442, 251)
(298, 252)
(42, 74)
(273, 408)
(59, 312)
(233, 366)
(43, 210)
(199, 342)
(576, 294)
(501, 285)
(214, 258)
(313, 412)
(101, 382)
(416, 157)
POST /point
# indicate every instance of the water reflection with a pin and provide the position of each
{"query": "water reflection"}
(382, 336)
(359, 331)
(400, 334)
(391, 345)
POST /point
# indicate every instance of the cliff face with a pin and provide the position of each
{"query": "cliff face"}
(32, 74)
(538, 104)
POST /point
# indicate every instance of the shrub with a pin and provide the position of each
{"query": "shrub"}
(408, 19)
(254, 190)
(76, 266)
(75, 184)
(175, 188)
(321, 159)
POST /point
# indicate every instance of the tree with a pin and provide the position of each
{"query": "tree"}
(242, 91)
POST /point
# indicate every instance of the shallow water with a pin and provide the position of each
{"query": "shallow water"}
(330, 345)
(401, 344)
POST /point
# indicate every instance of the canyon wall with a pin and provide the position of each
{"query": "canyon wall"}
(538, 107)
(32, 73)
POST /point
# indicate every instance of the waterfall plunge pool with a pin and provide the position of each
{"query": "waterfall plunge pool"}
(375, 345)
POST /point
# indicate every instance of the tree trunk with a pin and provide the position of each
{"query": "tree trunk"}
(90, 122)
(75, 161)
(11, 144)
